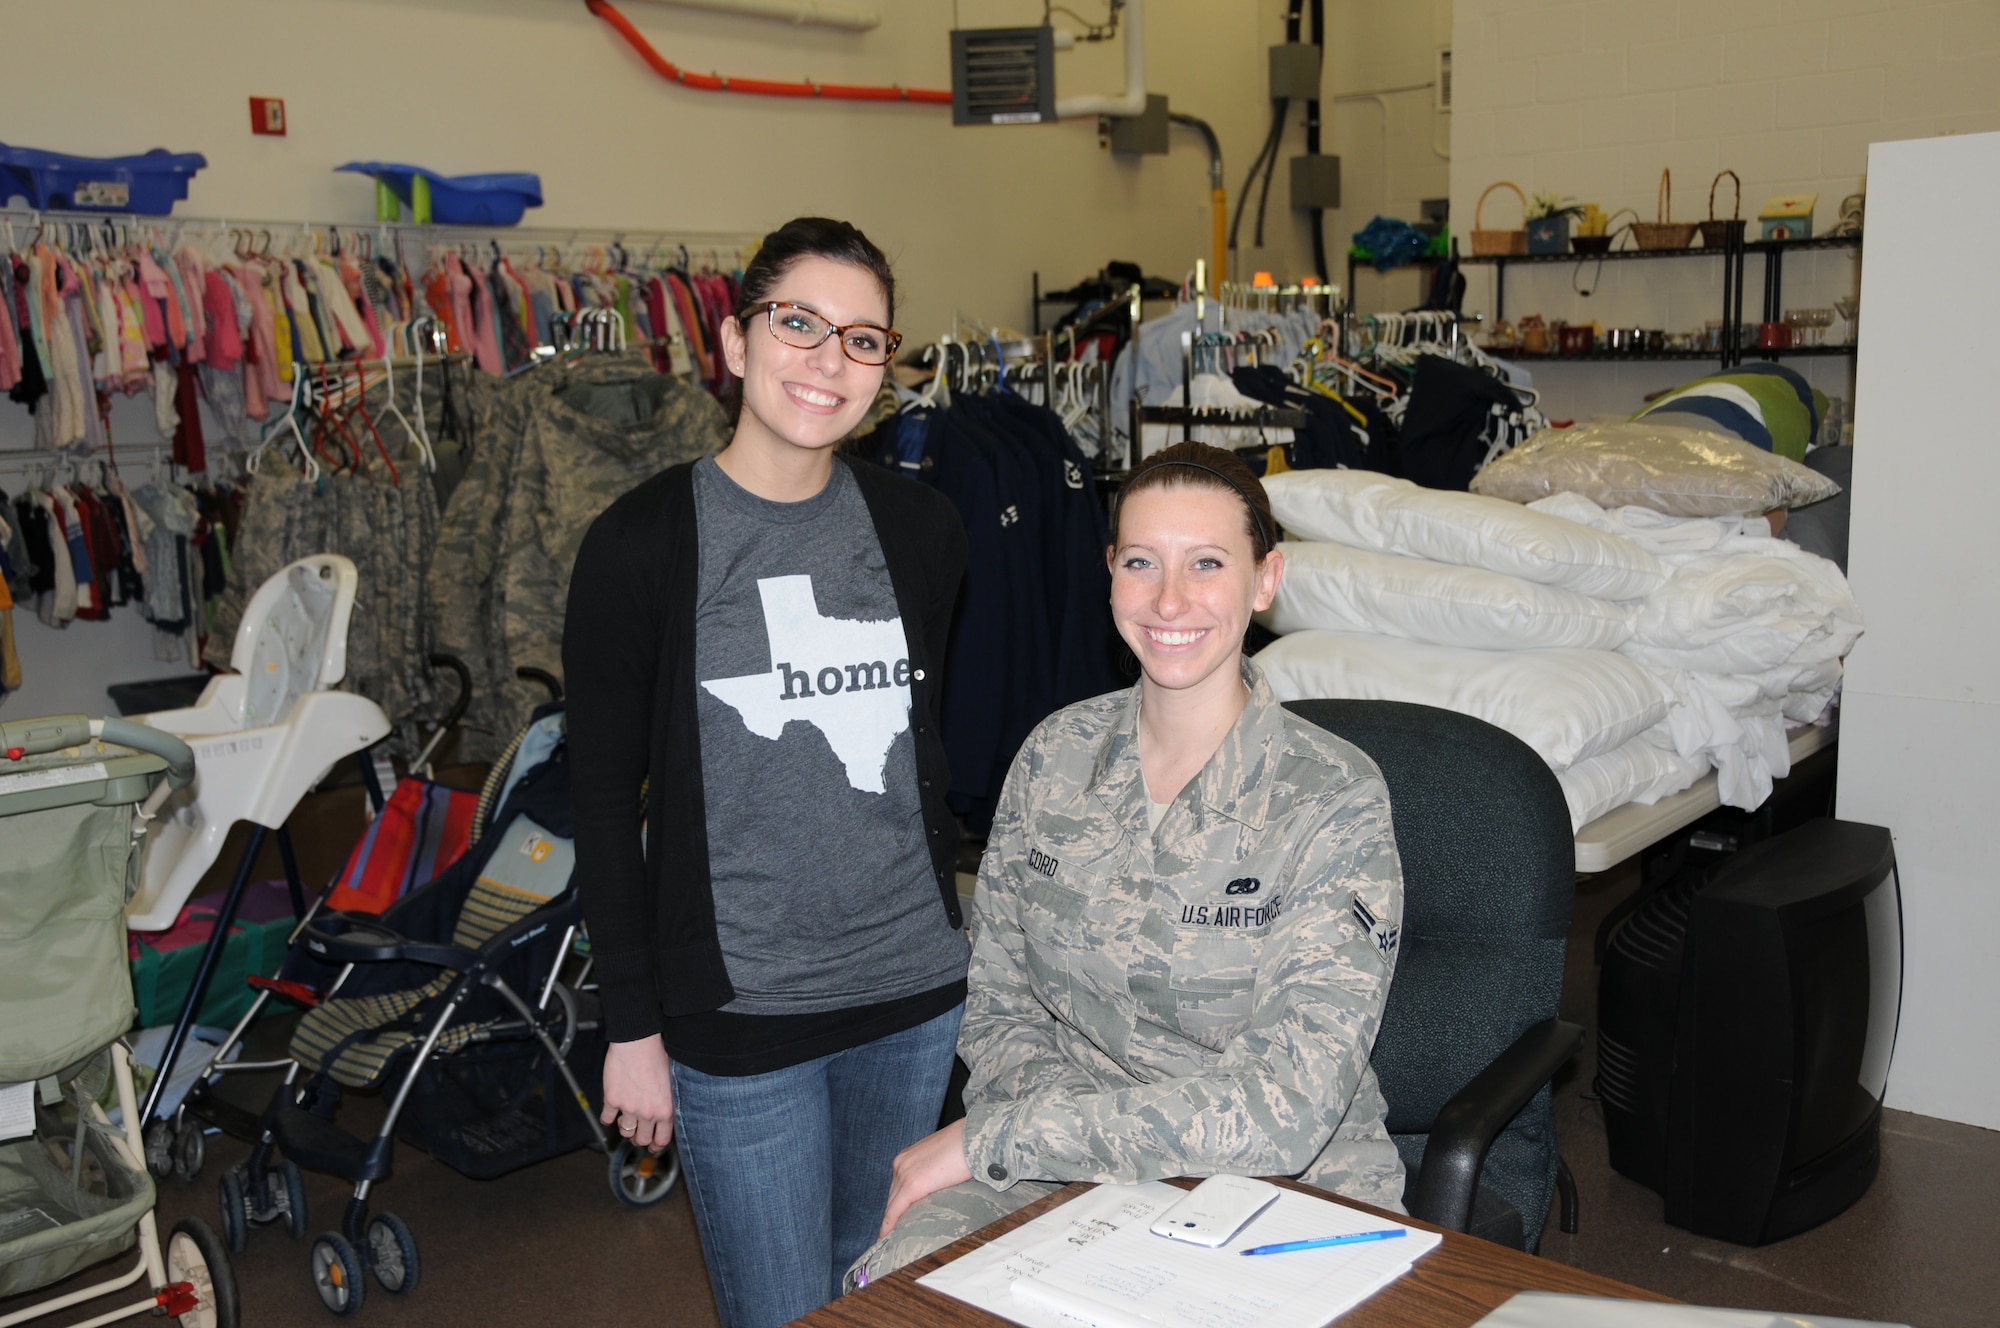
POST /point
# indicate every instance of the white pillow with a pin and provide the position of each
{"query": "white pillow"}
(1635, 771)
(1566, 704)
(1365, 510)
(1339, 588)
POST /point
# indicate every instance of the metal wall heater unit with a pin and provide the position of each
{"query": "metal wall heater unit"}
(1003, 75)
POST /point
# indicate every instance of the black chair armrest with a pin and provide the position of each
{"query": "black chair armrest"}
(1467, 1125)
(347, 938)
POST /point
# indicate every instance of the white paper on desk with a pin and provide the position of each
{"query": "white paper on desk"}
(985, 1276)
(1134, 1279)
(1549, 1309)
(1101, 1266)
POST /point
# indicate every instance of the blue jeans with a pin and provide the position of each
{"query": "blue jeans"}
(789, 1171)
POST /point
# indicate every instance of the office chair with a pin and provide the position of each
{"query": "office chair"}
(1470, 1037)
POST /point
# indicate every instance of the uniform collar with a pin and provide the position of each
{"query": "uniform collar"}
(1235, 783)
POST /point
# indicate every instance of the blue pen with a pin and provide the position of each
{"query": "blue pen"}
(1325, 1242)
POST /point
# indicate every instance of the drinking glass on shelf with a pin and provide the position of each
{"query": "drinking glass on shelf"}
(1849, 309)
(1799, 320)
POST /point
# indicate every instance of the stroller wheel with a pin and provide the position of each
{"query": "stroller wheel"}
(392, 1254)
(190, 1150)
(159, 1141)
(195, 1256)
(285, 1192)
(336, 1271)
(235, 1211)
(641, 1178)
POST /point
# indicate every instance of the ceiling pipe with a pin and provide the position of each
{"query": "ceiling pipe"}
(797, 12)
(1133, 100)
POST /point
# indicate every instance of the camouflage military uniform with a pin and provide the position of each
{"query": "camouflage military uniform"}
(556, 447)
(1181, 1003)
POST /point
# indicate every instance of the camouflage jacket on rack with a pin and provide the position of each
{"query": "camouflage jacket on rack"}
(552, 449)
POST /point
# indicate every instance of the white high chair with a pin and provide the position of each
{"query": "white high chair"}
(263, 734)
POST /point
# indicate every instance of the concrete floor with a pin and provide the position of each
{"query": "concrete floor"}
(552, 1245)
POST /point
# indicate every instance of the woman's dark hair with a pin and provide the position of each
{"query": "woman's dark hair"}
(1199, 466)
(812, 237)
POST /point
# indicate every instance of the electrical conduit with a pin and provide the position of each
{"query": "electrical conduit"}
(758, 87)
(1218, 197)
(797, 12)
(1133, 100)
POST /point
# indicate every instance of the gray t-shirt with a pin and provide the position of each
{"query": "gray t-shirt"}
(825, 896)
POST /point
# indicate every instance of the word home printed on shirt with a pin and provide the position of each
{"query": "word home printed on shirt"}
(848, 678)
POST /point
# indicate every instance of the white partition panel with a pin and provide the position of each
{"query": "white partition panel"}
(1920, 732)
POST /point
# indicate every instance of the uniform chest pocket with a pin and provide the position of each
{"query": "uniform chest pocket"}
(1055, 934)
(1213, 972)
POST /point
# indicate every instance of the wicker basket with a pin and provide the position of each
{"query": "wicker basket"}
(1485, 243)
(1664, 233)
(1714, 233)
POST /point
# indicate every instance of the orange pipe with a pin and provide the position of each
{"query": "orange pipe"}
(1219, 238)
(756, 87)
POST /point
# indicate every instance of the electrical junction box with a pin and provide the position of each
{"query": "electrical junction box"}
(1142, 134)
(1295, 71)
(1316, 181)
(1003, 75)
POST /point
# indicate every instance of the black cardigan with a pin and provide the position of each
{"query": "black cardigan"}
(628, 665)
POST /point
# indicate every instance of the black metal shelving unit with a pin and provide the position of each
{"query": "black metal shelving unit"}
(1734, 255)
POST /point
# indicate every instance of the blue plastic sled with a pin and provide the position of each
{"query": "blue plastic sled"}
(150, 183)
(456, 200)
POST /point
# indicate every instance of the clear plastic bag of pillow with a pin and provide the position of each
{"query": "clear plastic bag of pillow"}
(1637, 463)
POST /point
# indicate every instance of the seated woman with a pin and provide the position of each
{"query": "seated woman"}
(1186, 918)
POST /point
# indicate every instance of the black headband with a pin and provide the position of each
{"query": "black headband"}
(1266, 529)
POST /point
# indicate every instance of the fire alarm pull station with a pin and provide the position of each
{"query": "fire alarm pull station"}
(267, 115)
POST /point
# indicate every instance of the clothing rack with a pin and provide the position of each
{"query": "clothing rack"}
(270, 234)
(1421, 324)
(1320, 298)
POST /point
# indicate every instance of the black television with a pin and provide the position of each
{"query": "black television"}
(1746, 1016)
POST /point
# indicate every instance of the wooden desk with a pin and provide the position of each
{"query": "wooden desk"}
(1453, 1286)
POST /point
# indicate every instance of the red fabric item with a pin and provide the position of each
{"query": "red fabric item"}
(189, 449)
(224, 342)
(421, 831)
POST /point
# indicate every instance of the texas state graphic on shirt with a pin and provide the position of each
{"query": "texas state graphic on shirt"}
(848, 678)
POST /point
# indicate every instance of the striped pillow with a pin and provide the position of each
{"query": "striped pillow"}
(1766, 405)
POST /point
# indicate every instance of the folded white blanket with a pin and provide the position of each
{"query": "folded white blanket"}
(1748, 632)
(1736, 600)
(1337, 588)
(1568, 705)
(1636, 771)
(1364, 510)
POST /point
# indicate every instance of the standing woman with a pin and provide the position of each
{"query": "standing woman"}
(1187, 914)
(758, 638)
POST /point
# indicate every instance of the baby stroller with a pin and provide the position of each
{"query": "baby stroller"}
(74, 1189)
(452, 1005)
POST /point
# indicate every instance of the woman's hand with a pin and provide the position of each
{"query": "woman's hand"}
(924, 1168)
(639, 1092)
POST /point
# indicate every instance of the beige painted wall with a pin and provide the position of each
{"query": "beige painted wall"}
(1393, 144)
(1591, 98)
(541, 85)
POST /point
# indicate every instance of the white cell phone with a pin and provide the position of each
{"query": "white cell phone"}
(1215, 1210)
